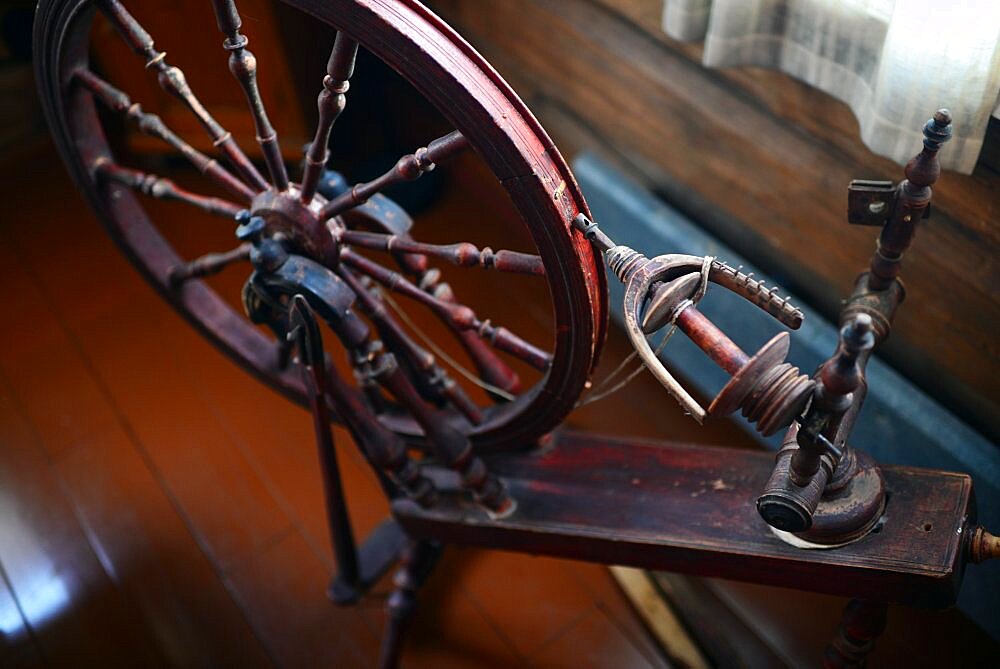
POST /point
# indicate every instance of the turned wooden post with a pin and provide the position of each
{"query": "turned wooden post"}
(861, 625)
(418, 561)
(913, 197)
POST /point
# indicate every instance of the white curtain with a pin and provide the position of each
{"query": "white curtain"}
(894, 62)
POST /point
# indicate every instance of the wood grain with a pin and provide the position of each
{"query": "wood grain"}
(691, 509)
(134, 526)
(64, 593)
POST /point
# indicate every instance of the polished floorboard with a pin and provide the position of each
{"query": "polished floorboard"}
(158, 507)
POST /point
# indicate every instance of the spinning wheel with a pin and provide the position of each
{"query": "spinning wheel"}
(317, 251)
(324, 222)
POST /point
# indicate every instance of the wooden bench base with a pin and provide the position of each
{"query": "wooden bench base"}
(691, 509)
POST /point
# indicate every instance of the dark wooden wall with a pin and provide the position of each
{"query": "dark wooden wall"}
(763, 162)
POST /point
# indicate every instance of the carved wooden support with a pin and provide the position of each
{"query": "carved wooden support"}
(911, 201)
(418, 560)
(824, 491)
(863, 622)
(450, 445)
(333, 300)
(279, 273)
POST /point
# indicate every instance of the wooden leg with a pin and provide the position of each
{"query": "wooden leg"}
(376, 555)
(418, 561)
(861, 625)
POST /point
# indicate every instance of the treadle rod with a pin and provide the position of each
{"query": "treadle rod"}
(690, 509)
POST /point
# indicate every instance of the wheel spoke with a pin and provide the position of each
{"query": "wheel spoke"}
(459, 315)
(243, 65)
(463, 253)
(422, 362)
(172, 80)
(331, 102)
(153, 125)
(208, 264)
(383, 215)
(163, 188)
(407, 168)
(491, 368)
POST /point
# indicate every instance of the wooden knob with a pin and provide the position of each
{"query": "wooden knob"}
(982, 545)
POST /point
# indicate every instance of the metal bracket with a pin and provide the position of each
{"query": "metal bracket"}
(870, 202)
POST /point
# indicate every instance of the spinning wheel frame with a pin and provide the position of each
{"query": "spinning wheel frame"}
(469, 93)
(594, 503)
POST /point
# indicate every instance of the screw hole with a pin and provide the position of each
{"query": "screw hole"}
(927, 527)
(876, 207)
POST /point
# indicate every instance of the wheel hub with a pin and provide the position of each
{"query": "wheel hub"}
(285, 214)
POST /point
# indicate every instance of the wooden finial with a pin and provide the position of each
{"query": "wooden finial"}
(937, 131)
(924, 169)
(913, 196)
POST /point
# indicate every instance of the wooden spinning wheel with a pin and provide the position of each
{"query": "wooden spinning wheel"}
(489, 119)
(473, 477)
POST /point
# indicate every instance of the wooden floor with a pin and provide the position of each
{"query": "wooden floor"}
(160, 508)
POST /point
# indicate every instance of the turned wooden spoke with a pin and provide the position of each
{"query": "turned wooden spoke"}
(331, 102)
(462, 253)
(407, 168)
(243, 65)
(422, 361)
(153, 125)
(209, 264)
(162, 188)
(172, 80)
(459, 315)
(450, 444)
(491, 368)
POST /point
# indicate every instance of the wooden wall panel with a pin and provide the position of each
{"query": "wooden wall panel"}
(762, 161)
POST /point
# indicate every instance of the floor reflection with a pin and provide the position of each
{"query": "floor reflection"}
(40, 594)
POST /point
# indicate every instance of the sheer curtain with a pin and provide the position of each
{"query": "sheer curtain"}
(892, 61)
